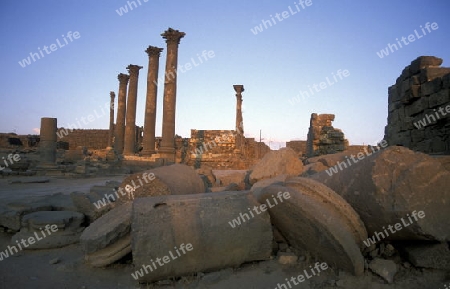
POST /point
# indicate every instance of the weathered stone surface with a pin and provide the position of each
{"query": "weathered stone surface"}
(392, 183)
(316, 225)
(111, 253)
(445, 161)
(322, 193)
(11, 214)
(422, 94)
(85, 204)
(107, 230)
(435, 256)
(332, 159)
(233, 187)
(260, 185)
(323, 138)
(55, 240)
(287, 258)
(313, 168)
(424, 61)
(203, 220)
(430, 73)
(60, 202)
(384, 268)
(282, 162)
(175, 179)
(208, 173)
(226, 177)
(69, 226)
(65, 220)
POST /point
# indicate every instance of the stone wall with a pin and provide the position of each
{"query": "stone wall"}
(323, 138)
(212, 141)
(419, 107)
(90, 138)
(217, 149)
(12, 140)
(299, 146)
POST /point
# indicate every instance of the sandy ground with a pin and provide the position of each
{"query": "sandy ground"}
(36, 268)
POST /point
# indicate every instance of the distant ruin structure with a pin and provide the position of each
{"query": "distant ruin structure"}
(323, 138)
(47, 144)
(239, 120)
(419, 107)
(111, 120)
(299, 146)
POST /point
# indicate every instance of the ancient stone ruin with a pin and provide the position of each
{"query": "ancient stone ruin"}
(419, 114)
(323, 138)
(196, 212)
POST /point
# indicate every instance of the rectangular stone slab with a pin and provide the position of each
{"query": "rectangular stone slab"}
(159, 224)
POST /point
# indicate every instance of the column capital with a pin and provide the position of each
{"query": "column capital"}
(133, 70)
(239, 88)
(112, 94)
(154, 51)
(171, 35)
(123, 78)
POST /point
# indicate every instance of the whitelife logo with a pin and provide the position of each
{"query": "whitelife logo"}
(147, 177)
(36, 56)
(62, 132)
(429, 118)
(263, 207)
(321, 86)
(165, 260)
(398, 226)
(281, 16)
(31, 240)
(411, 38)
(341, 165)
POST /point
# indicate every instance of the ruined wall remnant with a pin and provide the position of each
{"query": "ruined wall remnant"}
(323, 138)
(90, 138)
(212, 142)
(299, 146)
(419, 107)
(218, 149)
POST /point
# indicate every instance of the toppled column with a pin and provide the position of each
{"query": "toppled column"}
(130, 127)
(121, 110)
(329, 228)
(47, 144)
(195, 231)
(150, 104)
(323, 138)
(239, 120)
(111, 120)
(399, 194)
(167, 149)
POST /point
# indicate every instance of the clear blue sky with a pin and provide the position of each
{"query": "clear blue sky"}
(274, 65)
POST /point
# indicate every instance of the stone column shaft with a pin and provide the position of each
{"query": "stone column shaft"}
(239, 120)
(130, 127)
(111, 119)
(121, 111)
(47, 143)
(167, 150)
(151, 100)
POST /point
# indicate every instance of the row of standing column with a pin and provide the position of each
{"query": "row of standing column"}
(124, 130)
